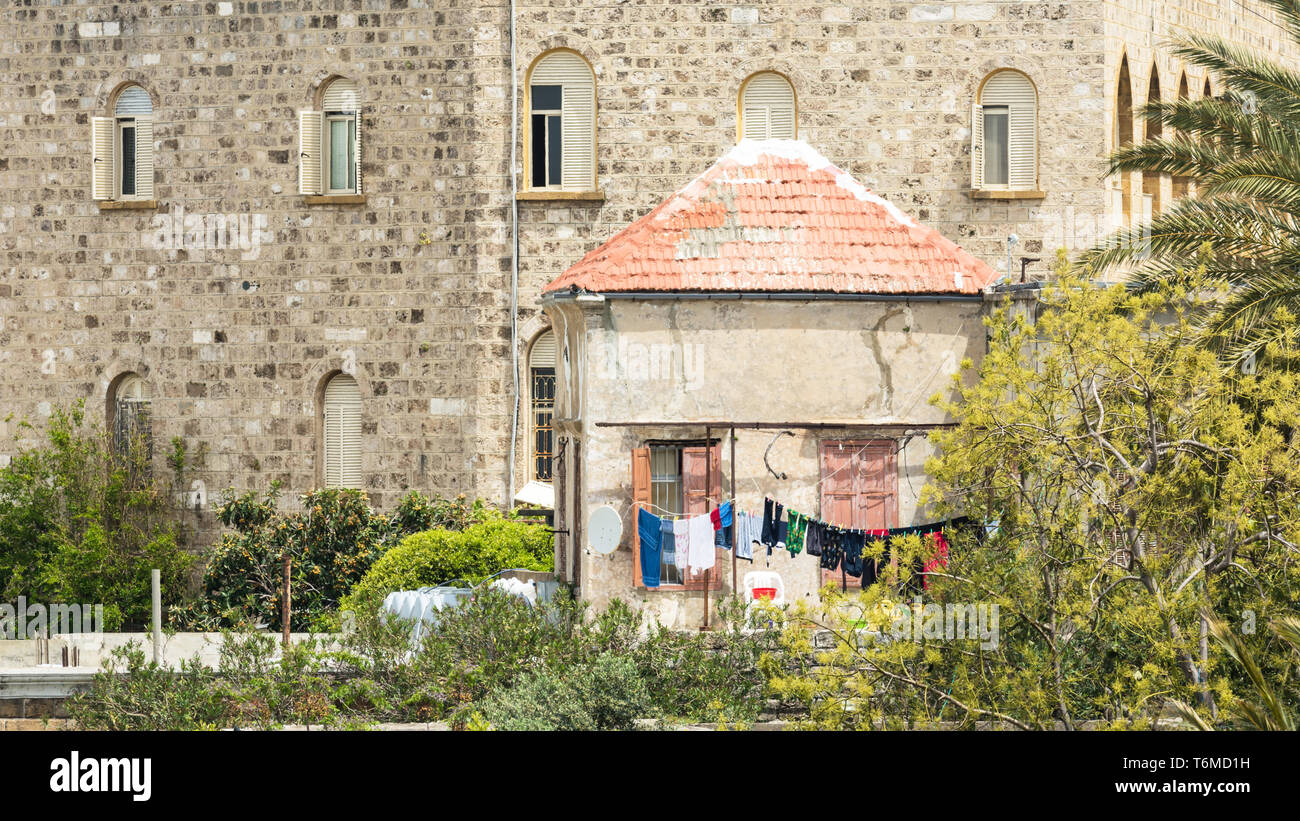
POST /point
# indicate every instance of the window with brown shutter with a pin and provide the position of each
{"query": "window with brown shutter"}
(682, 479)
(859, 487)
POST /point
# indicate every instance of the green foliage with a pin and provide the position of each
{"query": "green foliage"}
(84, 522)
(1274, 704)
(1242, 152)
(331, 543)
(608, 694)
(437, 556)
(1134, 483)
(493, 661)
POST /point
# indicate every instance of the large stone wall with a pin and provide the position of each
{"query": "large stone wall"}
(884, 90)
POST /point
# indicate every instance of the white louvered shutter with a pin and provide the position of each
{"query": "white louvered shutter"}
(340, 95)
(772, 95)
(1022, 137)
(309, 152)
(101, 158)
(977, 147)
(134, 101)
(1014, 90)
(543, 353)
(755, 123)
(577, 115)
(144, 157)
(342, 433)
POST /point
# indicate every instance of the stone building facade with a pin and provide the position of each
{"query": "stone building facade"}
(408, 286)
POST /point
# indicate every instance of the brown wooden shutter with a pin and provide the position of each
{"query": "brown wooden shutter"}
(702, 481)
(640, 498)
(859, 488)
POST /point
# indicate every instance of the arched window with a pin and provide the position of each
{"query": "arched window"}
(128, 412)
(1207, 92)
(1123, 136)
(1182, 185)
(329, 142)
(341, 432)
(541, 377)
(122, 148)
(767, 108)
(1004, 137)
(560, 127)
(1152, 182)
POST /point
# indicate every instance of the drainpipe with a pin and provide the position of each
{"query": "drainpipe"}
(514, 265)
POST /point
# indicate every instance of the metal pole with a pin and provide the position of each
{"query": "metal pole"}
(286, 610)
(155, 581)
(708, 503)
(734, 545)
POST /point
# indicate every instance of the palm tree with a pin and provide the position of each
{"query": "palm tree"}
(1271, 710)
(1242, 149)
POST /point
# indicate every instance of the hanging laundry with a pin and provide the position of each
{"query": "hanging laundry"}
(852, 546)
(772, 511)
(700, 530)
(722, 522)
(832, 551)
(749, 532)
(872, 569)
(649, 530)
(938, 559)
(797, 531)
(682, 545)
(667, 542)
(813, 537)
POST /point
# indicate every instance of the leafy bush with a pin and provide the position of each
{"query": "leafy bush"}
(331, 543)
(492, 661)
(608, 694)
(437, 556)
(251, 688)
(83, 521)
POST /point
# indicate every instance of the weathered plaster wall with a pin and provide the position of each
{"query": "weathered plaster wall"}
(752, 361)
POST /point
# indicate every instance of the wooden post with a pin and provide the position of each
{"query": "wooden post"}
(708, 503)
(155, 582)
(734, 545)
(286, 609)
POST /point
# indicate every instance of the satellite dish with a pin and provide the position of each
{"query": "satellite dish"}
(604, 529)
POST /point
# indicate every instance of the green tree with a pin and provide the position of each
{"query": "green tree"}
(1242, 151)
(83, 521)
(1134, 484)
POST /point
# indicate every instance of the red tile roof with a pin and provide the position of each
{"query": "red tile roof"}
(776, 216)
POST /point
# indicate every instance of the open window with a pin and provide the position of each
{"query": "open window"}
(329, 142)
(122, 148)
(676, 478)
(767, 108)
(1004, 134)
(560, 124)
(130, 424)
(341, 433)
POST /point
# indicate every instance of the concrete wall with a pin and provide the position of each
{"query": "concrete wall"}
(94, 648)
(845, 364)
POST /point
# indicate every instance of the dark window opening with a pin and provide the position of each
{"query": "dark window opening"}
(543, 431)
(128, 160)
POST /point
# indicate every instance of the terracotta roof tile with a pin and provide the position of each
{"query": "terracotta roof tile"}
(776, 216)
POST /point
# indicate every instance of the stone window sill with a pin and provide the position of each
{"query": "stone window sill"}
(1005, 194)
(589, 196)
(335, 199)
(127, 205)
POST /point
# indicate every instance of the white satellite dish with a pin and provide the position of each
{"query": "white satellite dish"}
(604, 529)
